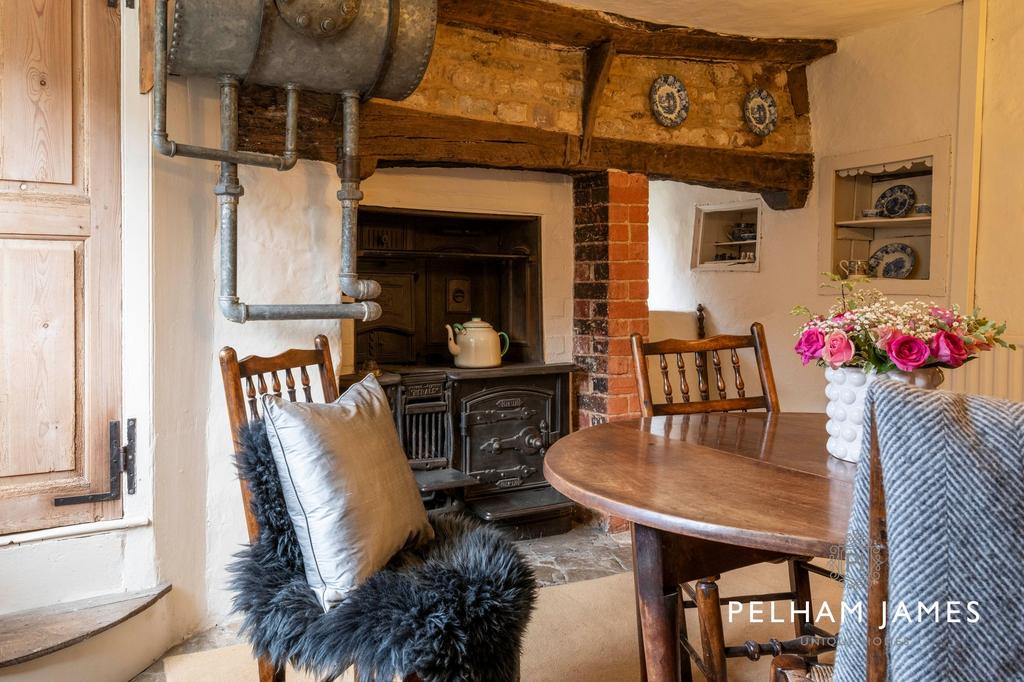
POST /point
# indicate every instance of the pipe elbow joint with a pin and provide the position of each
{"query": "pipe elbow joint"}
(359, 289)
(371, 311)
(288, 161)
(164, 145)
(233, 309)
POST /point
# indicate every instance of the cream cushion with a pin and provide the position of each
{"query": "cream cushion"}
(347, 485)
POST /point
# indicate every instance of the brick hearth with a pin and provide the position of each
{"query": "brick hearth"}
(610, 292)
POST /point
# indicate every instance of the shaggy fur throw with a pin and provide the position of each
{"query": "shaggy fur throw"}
(452, 611)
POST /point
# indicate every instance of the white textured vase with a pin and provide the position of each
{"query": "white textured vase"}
(846, 390)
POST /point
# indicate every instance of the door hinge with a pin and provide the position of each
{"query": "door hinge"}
(122, 461)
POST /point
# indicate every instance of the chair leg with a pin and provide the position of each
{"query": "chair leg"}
(683, 655)
(712, 636)
(267, 671)
(800, 585)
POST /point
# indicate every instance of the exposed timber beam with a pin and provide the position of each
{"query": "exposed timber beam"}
(393, 135)
(597, 64)
(552, 23)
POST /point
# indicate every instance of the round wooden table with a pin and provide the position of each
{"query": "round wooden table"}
(705, 494)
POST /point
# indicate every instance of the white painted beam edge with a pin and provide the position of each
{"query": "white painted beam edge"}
(78, 530)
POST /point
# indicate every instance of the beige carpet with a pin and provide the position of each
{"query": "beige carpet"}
(583, 631)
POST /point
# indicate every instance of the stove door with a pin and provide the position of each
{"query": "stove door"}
(505, 432)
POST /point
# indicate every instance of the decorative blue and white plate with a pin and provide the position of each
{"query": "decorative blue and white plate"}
(896, 201)
(670, 103)
(760, 111)
(893, 261)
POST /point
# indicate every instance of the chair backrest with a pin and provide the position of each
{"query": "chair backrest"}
(247, 380)
(701, 349)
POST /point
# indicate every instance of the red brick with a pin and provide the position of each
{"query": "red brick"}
(619, 347)
(638, 290)
(619, 251)
(627, 271)
(638, 251)
(582, 345)
(622, 310)
(633, 194)
(621, 385)
(618, 213)
(618, 291)
(638, 232)
(638, 180)
(638, 214)
(620, 232)
(584, 272)
(619, 365)
(618, 404)
(581, 310)
(618, 179)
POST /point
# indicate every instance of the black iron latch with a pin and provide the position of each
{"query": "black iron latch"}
(122, 461)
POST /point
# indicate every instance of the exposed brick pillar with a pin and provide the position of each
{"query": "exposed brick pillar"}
(610, 292)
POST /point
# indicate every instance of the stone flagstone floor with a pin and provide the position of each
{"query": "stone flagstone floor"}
(583, 553)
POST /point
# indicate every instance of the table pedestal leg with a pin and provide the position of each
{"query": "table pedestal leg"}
(661, 562)
(657, 620)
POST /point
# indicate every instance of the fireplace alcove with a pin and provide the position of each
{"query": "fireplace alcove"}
(442, 268)
(475, 438)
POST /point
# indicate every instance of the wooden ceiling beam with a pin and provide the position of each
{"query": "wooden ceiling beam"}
(561, 25)
(597, 64)
(392, 135)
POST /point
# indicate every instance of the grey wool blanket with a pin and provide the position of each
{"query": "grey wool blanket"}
(953, 472)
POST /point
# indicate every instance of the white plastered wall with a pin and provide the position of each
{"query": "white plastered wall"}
(884, 87)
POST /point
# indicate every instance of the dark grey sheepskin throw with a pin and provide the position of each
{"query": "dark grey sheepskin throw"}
(453, 611)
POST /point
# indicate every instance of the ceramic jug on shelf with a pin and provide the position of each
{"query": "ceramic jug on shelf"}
(478, 344)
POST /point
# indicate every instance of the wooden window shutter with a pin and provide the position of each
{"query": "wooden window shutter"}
(60, 258)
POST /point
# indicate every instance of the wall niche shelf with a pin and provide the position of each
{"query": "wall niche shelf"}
(727, 237)
(851, 187)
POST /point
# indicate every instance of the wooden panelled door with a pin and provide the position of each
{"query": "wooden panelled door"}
(60, 258)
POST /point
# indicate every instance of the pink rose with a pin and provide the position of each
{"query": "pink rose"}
(838, 349)
(809, 346)
(948, 349)
(885, 335)
(908, 352)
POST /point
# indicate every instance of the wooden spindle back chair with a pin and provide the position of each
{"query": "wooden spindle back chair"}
(712, 395)
(245, 382)
(712, 398)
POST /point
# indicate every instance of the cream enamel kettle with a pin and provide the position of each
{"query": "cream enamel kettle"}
(478, 346)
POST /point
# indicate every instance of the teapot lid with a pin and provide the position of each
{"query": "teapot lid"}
(476, 323)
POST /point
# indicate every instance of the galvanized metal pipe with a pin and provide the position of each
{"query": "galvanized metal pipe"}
(168, 147)
(349, 195)
(228, 191)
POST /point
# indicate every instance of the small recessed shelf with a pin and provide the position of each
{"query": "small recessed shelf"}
(852, 185)
(884, 223)
(715, 228)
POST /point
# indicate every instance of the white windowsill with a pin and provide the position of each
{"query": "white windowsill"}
(79, 530)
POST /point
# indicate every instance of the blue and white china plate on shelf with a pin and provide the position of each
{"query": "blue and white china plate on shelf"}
(893, 261)
(896, 201)
(760, 112)
(670, 103)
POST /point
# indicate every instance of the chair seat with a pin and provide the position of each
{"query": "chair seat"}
(453, 609)
(815, 673)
